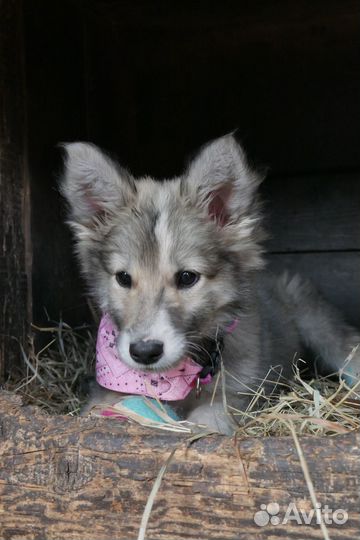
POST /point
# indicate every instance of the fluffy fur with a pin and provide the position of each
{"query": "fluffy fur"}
(208, 221)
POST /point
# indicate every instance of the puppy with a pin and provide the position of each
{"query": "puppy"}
(176, 264)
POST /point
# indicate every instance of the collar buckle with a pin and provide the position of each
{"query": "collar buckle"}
(198, 387)
(214, 358)
(212, 365)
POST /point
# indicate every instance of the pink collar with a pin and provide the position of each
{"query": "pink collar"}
(113, 374)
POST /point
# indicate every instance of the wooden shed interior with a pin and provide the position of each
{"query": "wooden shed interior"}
(151, 82)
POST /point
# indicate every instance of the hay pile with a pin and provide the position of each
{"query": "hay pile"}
(53, 374)
(320, 406)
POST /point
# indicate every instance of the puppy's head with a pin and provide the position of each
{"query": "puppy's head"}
(169, 261)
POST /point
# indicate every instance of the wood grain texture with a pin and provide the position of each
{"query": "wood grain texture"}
(78, 478)
(163, 80)
(56, 113)
(313, 213)
(14, 197)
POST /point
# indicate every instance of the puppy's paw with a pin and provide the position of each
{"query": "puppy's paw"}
(99, 396)
(214, 418)
(351, 368)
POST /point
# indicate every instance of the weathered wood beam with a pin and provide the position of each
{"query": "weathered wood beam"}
(14, 194)
(81, 478)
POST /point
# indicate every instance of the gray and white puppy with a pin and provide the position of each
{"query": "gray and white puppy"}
(175, 262)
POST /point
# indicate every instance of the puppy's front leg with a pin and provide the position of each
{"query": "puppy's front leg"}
(214, 416)
(99, 396)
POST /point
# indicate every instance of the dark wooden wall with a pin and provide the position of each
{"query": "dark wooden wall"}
(15, 259)
(315, 225)
(152, 81)
(56, 113)
(165, 77)
(163, 80)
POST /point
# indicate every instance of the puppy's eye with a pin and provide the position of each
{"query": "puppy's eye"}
(123, 279)
(186, 279)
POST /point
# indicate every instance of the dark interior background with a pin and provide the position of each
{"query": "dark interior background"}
(152, 81)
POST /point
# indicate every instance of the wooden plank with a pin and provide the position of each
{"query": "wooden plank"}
(313, 213)
(14, 199)
(336, 275)
(162, 81)
(56, 113)
(77, 478)
(251, 16)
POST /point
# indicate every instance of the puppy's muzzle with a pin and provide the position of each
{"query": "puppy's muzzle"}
(146, 352)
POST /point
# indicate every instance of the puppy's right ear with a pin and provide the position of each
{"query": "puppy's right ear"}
(93, 185)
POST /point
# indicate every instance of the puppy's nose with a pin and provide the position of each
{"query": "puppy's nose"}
(146, 352)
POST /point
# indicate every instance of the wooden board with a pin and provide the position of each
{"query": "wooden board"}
(313, 213)
(163, 80)
(76, 478)
(56, 113)
(15, 259)
(336, 275)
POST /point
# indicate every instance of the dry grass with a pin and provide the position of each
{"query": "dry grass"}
(321, 406)
(52, 376)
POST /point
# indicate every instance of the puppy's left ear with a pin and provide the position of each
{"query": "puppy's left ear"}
(220, 180)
